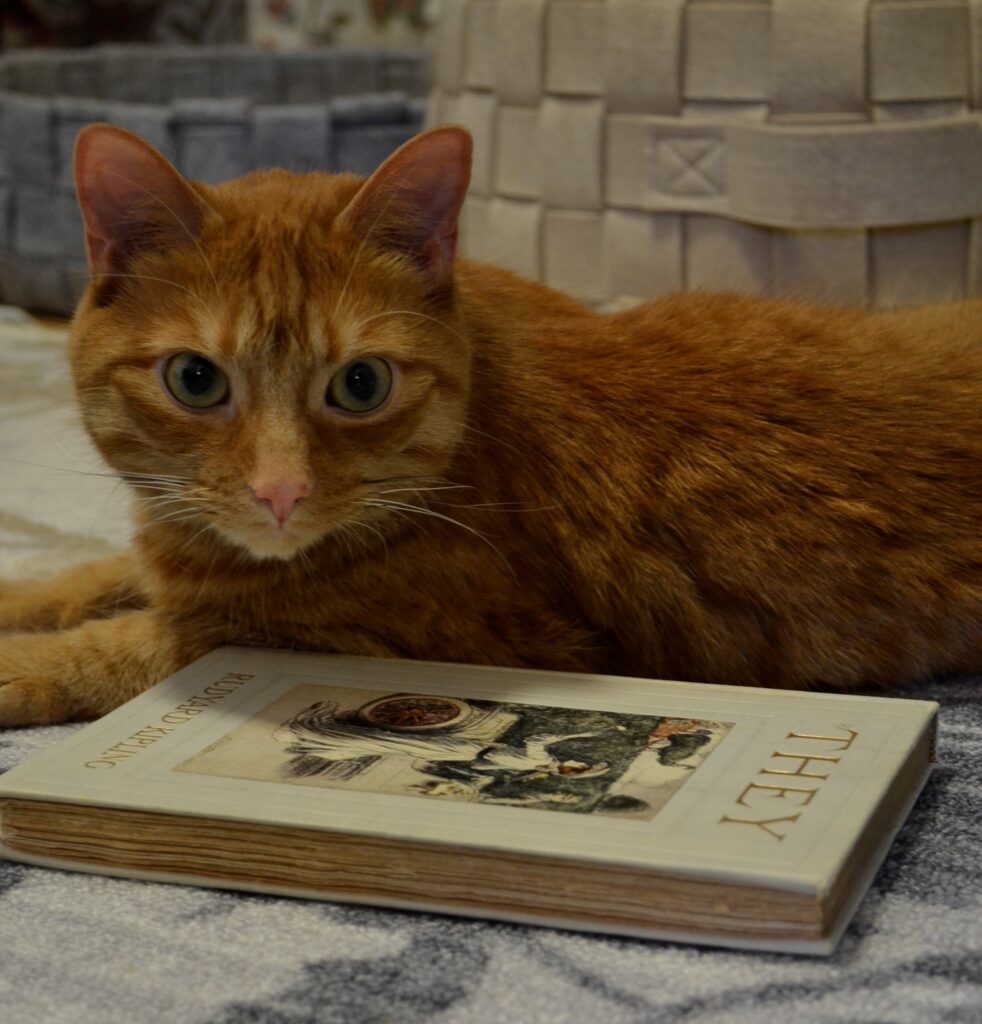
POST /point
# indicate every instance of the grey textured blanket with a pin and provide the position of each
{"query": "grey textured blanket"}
(83, 949)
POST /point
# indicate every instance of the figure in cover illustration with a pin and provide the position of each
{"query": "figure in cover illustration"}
(480, 751)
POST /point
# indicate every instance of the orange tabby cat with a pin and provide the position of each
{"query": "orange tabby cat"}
(342, 439)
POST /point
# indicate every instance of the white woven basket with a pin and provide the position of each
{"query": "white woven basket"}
(830, 149)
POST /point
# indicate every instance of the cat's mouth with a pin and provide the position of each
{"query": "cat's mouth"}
(268, 540)
(263, 536)
(272, 541)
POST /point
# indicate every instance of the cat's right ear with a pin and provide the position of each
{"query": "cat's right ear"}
(132, 199)
(411, 204)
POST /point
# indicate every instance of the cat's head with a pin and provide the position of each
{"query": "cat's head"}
(278, 353)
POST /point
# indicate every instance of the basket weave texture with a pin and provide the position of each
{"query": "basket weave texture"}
(216, 113)
(829, 149)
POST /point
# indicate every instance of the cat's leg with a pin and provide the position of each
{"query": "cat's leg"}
(93, 590)
(87, 671)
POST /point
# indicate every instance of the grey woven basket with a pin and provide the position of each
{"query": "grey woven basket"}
(215, 112)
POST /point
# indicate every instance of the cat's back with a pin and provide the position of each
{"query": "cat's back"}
(741, 362)
(732, 380)
(702, 346)
(740, 333)
(756, 490)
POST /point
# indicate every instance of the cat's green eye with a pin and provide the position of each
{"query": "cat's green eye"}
(195, 381)
(361, 386)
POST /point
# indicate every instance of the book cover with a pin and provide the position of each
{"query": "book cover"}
(773, 791)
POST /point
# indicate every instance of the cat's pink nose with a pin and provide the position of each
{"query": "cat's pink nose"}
(280, 496)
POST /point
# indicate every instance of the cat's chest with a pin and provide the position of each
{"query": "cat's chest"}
(403, 589)
(430, 604)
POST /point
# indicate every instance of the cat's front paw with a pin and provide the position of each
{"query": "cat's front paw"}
(92, 590)
(87, 671)
(19, 607)
(30, 694)
(6, 619)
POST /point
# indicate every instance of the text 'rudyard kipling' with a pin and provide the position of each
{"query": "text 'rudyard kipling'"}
(184, 712)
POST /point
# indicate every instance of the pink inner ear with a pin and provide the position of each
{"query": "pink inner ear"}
(131, 198)
(412, 202)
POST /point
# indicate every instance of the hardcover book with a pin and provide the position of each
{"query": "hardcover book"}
(722, 815)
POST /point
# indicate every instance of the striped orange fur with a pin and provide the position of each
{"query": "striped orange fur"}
(707, 487)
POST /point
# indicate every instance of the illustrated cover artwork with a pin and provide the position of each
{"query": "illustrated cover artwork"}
(520, 755)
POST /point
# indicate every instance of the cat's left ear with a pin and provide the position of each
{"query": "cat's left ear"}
(411, 204)
(132, 198)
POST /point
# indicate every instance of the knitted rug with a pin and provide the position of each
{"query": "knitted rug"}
(83, 949)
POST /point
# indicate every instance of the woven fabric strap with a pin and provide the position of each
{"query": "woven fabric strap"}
(799, 176)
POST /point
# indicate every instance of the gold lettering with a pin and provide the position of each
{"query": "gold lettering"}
(800, 770)
(152, 732)
(190, 707)
(149, 734)
(175, 718)
(727, 820)
(778, 793)
(846, 741)
(797, 796)
(215, 691)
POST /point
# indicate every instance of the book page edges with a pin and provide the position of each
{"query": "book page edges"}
(824, 946)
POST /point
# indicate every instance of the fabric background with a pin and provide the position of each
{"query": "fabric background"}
(83, 949)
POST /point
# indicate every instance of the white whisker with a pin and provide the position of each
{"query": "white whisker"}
(503, 506)
(159, 280)
(192, 540)
(383, 209)
(415, 313)
(491, 437)
(407, 509)
(60, 469)
(159, 501)
(420, 490)
(191, 235)
(181, 515)
(156, 476)
(376, 532)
